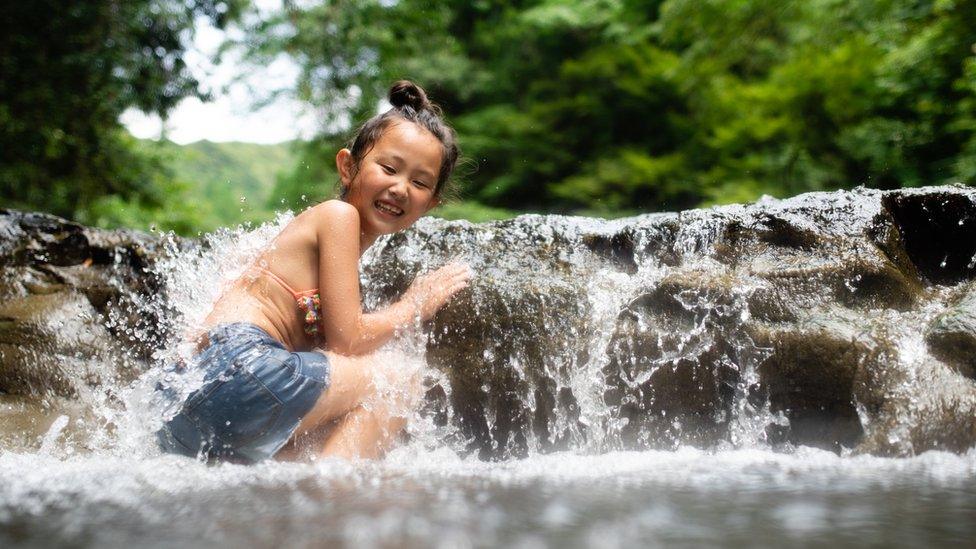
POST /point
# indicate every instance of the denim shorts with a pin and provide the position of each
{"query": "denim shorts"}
(254, 394)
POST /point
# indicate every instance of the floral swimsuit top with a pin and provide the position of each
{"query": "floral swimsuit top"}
(308, 304)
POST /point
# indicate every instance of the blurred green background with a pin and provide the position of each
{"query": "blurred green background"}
(592, 107)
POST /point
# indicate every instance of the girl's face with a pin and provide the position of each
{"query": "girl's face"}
(395, 181)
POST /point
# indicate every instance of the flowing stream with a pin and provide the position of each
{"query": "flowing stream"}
(583, 475)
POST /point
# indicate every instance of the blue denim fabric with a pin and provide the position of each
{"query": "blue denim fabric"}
(254, 394)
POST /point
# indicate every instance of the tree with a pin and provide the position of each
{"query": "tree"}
(67, 72)
(626, 105)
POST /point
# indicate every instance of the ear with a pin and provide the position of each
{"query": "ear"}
(346, 167)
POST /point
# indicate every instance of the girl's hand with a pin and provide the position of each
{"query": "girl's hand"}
(431, 291)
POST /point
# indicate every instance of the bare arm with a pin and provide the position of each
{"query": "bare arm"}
(347, 329)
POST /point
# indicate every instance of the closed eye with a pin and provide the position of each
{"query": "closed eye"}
(421, 184)
(388, 169)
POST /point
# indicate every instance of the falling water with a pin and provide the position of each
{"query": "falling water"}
(567, 438)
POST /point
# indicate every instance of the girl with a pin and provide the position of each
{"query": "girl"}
(268, 381)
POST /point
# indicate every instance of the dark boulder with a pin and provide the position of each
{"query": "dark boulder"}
(78, 306)
(952, 334)
(810, 372)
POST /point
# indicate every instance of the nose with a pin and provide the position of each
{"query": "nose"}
(399, 189)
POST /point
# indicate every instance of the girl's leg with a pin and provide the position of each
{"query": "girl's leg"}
(362, 433)
(354, 417)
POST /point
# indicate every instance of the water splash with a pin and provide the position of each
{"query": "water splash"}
(51, 437)
(573, 379)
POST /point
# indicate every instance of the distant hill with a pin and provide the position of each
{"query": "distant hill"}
(221, 174)
(248, 168)
(212, 179)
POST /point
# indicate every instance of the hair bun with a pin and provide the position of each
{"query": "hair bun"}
(407, 94)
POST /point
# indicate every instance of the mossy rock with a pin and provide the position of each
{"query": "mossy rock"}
(669, 373)
(811, 371)
(501, 351)
(951, 336)
(932, 407)
(54, 344)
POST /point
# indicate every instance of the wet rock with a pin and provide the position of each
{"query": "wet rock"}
(54, 343)
(649, 332)
(28, 424)
(670, 368)
(505, 370)
(938, 231)
(617, 248)
(862, 280)
(77, 305)
(810, 373)
(919, 407)
(952, 335)
(505, 345)
(783, 292)
(23, 422)
(798, 265)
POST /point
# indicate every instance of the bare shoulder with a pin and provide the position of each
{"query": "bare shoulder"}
(333, 221)
(332, 214)
(305, 229)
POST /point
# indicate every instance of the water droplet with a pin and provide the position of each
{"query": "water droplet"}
(243, 199)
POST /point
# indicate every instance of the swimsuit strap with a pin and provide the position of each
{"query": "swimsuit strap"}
(308, 303)
(283, 284)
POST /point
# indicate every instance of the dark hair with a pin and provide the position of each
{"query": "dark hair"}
(410, 103)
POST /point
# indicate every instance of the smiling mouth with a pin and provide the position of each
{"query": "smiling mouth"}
(387, 208)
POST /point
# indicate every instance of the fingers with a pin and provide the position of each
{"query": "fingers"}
(436, 288)
(448, 290)
(455, 266)
(448, 275)
(452, 271)
(456, 278)
(441, 292)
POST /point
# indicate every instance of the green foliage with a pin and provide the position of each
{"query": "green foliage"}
(166, 209)
(204, 186)
(235, 180)
(630, 105)
(312, 179)
(604, 107)
(67, 71)
(471, 211)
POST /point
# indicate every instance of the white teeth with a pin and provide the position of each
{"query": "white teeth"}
(392, 210)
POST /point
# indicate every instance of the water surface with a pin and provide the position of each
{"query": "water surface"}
(687, 497)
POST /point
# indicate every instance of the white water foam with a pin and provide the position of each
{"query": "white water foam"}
(425, 493)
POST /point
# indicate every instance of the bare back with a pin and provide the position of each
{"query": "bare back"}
(256, 297)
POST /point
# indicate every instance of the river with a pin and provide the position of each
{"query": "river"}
(620, 403)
